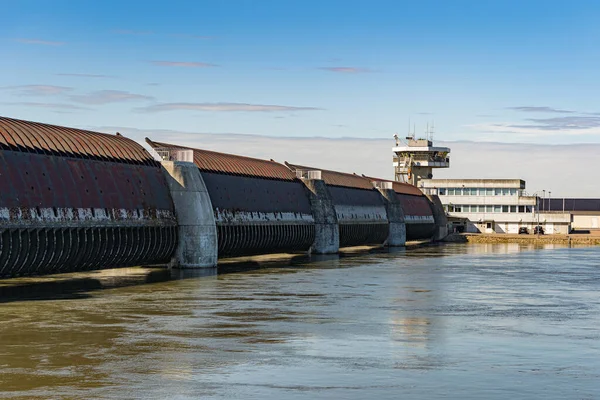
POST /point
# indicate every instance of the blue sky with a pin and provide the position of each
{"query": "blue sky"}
(501, 71)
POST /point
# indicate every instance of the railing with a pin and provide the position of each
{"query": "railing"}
(170, 154)
(308, 174)
(383, 185)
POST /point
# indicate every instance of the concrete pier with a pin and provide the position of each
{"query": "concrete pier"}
(439, 215)
(327, 236)
(197, 231)
(395, 214)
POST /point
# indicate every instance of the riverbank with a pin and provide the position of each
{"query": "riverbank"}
(568, 240)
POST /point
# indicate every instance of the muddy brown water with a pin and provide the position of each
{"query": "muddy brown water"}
(463, 321)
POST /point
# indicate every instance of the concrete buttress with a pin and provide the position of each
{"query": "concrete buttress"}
(395, 214)
(439, 215)
(197, 244)
(327, 235)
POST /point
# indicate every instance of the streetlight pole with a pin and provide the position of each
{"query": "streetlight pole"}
(544, 199)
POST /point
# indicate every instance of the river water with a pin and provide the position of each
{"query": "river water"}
(455, 321)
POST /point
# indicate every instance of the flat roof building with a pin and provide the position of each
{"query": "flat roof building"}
(495, 205)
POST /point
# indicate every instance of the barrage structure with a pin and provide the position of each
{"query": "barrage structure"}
(73, 200)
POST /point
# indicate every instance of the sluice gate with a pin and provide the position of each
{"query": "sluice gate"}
(359, 207)
(73, 200)
(260, 206)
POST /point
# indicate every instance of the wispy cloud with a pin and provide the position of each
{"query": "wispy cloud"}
(38, 90)
(563, 123)
(39, 41)
(53, 106)
(132, 32)
(346, 70)
(222, 107)
(86, 75)
(540, 110)
(109, 96)
(185, 64)
(540, 127)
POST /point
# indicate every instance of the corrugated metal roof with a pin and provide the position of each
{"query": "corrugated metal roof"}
(337, 178)
(212, 161)
(34, 137)
(399, 187)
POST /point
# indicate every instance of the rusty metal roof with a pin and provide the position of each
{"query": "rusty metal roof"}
(399, 187)
(337, 178)
(212, 161)
(34, 137)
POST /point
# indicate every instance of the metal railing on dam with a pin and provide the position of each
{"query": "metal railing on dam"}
(73, 200)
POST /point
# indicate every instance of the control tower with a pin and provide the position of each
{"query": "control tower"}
(415, 159)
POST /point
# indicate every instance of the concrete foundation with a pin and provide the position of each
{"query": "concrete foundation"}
(327, 236)
(197, 231)
(395, 214)
(439, 215)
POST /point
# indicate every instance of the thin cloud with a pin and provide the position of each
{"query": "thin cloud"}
(564, 123)
(566, 126)
(86, 75)
(185, 64)
(222, 107)
(53, 106)
(38, 90)
(39, 41)
(346, 70)
(540, 110)
(109, 96)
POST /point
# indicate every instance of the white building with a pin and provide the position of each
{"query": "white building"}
(494, 205)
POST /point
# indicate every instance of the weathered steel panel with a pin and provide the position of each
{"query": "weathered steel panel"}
(230, 192)
(73, 200)
(259, 216)
(33, 137)
(212, 161)
(361, 234)
(355, 197)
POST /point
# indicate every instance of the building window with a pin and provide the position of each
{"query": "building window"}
(513, 209)
(442, 191)
(521, 209)
(489, 192)
(497, 209)
(473, 191)
(505, 192)
(489, 209)
(513, 192)
(488, 225)
(528, 209)
(505, 209)
(457, 208)
(450, 191)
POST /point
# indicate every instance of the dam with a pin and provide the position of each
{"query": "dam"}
(76, 200)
